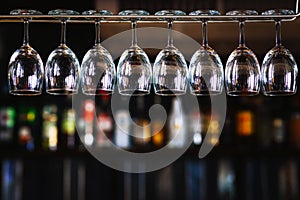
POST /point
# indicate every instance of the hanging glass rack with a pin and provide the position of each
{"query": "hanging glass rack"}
(144, 19)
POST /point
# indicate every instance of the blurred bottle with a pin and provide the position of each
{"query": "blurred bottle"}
(293, 137)
(245, 123)
(122, 128)
(279, 131)
(7, 125)
(158, 132)
(105, 122)
(288, 174)
(226, 180)
(213, 129)
(165, 183)
(50, 130)
(197, 123)
(9, 180)
(196, 179)
(245, 127)
(68, 129)
(142, 131)
(27, 132)
(89, 114)
(177, 124)
(158, 128)
(276, 121)
(295, 129)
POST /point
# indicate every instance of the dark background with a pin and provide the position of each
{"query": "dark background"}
(251, 172)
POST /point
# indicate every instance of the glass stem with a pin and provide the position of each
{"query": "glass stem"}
(97, 30)
(170, 34)
(63, 32)
(242, 34)
(204, 34)
(134, 35)
(278, 33)
(26, 33)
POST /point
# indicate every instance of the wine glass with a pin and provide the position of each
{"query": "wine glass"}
(62, 67)
(25, 69)
(134, 69)
(279, 68)
(98, 68)
(206, 69)
(242, 71)
(170, 69)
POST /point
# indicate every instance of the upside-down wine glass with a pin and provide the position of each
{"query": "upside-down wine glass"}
(62, 67)
(279, 68)
(170, 69)
(134, 71)
(25, 69)
(98, 68)
(242, 71)
(206, 69)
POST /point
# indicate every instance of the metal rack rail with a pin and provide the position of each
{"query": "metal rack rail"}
(145, 18)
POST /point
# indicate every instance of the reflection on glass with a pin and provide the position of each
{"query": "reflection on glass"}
(97, 68)
(242, 72)
(279, 68)
(170, 69)
(62, 67)
(134, 69)
(206, 69)
(25, 69)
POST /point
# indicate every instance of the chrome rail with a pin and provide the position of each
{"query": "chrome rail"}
(144, 18)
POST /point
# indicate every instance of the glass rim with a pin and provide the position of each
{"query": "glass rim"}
(242, 12)
(23, 92)
(25, 12)
(133, 12)
(54, 91)
(279, 93)
(205, 12)
(97, 92)
(63, 12)
(134, 92)
(278, 12)
(207, 92)
(236, 93)
(97, 12)
(170, 92)
(170, 12)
